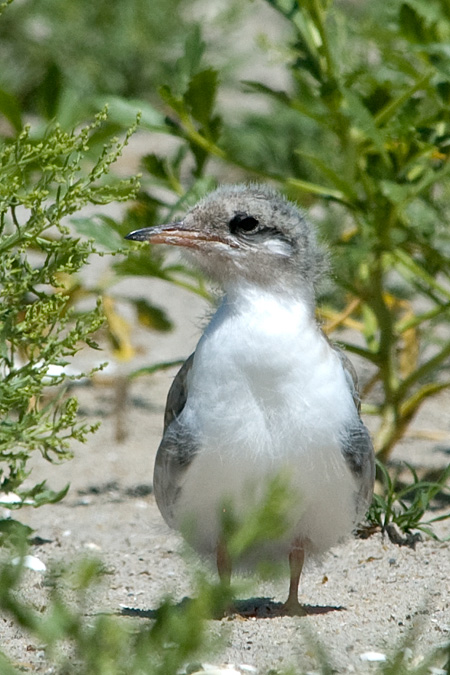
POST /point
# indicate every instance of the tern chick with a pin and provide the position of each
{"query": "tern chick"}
(264, 394)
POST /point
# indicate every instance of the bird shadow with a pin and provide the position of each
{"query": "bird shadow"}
(253, 608)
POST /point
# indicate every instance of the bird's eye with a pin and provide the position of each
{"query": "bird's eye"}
(242, 222)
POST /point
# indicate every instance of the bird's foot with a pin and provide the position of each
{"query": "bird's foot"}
(292, 607)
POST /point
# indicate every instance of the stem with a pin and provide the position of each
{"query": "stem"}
(150, 370)
(369, 386)
(321, 190)
(370, 409)
(425, 369)
(373, 357)
(202, 292)
(193, 135)
(343, 316)
(389, 110)
(319, 16)
(412, 266)
(391, 430)
(413, 322)
(392, 425)
(411, 405)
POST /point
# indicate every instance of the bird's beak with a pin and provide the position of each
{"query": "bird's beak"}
(176, 234)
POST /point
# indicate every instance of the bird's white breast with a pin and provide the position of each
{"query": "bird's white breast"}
(268, 395)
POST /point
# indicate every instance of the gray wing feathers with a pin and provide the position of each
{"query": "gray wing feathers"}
(356, 443)
(358, 452)
(176, 449)
(176, 398)
(350, 375)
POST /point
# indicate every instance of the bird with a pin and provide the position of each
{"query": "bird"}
(265, 392)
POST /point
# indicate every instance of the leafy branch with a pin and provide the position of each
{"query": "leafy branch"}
(41, 329)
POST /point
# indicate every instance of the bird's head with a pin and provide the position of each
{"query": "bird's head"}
(246, 233)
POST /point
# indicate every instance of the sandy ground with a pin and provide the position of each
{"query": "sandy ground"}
(363, 596)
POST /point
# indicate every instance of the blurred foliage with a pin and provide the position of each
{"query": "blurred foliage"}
(106, 235)
(106, 644)
(49, 174)
(41, 325)
(110, 644)
(61, 56)
(79, 642)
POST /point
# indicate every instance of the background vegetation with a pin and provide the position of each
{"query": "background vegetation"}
(357, 131)
(363, 129)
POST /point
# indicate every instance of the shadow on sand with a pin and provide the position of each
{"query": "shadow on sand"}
(259, 608)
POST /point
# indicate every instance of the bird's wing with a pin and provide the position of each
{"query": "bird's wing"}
(350, 376)
(356, 443)
(356, 446)
(177, 447)
(176, 398)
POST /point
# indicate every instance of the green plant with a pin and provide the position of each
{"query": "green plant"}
(107, 236)
(406, 506)
(41, 327)
(106, 644)
(62, 57)
(364, 127)
(110, 645)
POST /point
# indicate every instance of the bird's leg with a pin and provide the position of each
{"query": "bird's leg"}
(224, 567)
(223, 562)
(296, 559)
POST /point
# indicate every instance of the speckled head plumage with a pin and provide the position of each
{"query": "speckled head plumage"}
(247, 233)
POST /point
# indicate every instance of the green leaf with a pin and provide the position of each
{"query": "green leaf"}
(10, 108)
(151, 316)
(124, 112)
(388, 111)
(174, 102)
(395, 192)
(294, 103)
(5, 666)
(412, 24)
(143, 264)
(431, 12)
(337, 179)
(189, 63)
(363, 120)
(13, 532)
(150, 370)
(155, 165)
(402, 258)
(40, 494)
(261, 88)
(42, 323)
(99, 229)
(50, 91)
(201, 94)
(314, 188)
(194, 48)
